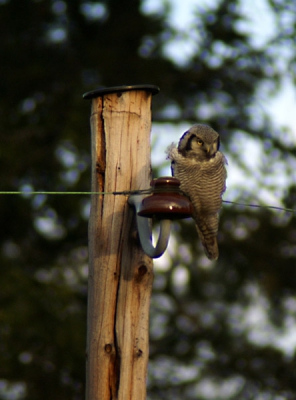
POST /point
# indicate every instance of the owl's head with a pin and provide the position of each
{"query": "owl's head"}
(199, 141)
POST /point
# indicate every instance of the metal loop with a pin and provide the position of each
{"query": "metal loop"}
(145, 232)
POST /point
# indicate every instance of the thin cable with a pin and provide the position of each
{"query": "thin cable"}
(135, 192)
(124, 192)
(260, 206)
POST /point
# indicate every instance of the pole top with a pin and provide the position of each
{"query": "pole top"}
(118, 89)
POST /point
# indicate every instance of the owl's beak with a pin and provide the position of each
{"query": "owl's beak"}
(210, 150)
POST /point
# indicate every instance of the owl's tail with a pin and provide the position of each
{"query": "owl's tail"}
(209, 242)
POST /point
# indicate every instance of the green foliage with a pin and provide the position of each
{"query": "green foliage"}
(205, 339)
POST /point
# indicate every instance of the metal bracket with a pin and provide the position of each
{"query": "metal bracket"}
(145, 232)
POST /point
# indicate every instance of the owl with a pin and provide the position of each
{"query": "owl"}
(200, 167)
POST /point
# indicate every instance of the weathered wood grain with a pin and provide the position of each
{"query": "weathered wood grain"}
(120, 274)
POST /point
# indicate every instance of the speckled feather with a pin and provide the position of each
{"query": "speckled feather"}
(203, 181)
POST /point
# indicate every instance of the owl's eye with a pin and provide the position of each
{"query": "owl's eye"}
(199, 142)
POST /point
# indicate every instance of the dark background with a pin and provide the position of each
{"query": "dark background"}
(214, 336)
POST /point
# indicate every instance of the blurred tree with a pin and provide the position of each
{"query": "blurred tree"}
(217, 331)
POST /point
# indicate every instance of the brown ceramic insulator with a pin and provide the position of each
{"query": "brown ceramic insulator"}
(167, 201)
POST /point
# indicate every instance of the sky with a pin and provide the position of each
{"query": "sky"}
(262, 27)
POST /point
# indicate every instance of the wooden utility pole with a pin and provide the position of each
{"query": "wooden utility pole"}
(120, 274)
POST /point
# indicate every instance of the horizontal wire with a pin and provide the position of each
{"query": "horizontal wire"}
(124, 192)
(135, 192)
(260, 206)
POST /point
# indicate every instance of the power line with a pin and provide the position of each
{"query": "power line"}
(135, 192)
(260, 206)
